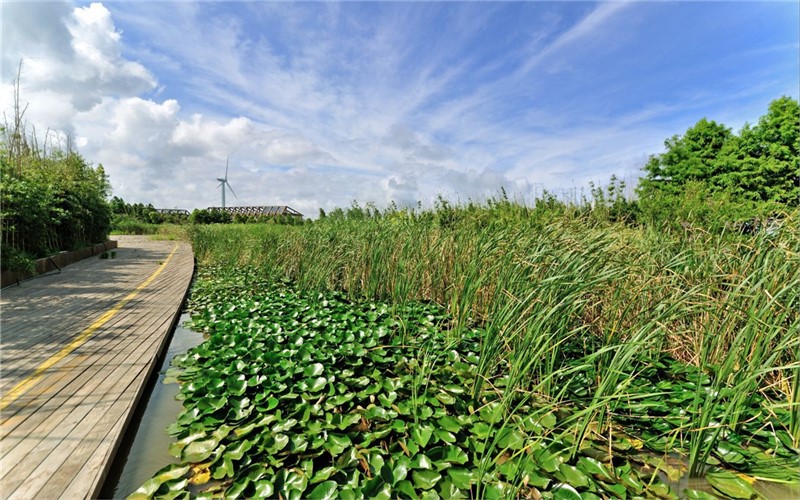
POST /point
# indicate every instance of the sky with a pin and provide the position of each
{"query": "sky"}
(317, 104)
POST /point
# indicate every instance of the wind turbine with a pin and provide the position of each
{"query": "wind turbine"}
(224, 182)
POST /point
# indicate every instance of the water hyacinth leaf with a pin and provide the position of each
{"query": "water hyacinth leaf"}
(272, 402)
(461, 478)
(197, 451)
(376, 488)
(454, 389)
(492, 413)
(698, 495)
(292, 480)
(236, 489)
(594, 467)
(421, 434)
(237, 450)
(176, 447)
(730, 484)
(336, 444)
(323, 474)
(387, 474)
(314, 370)
(445, 398)
(499, 490)
(237, 385)
(400, 469)
(317, 384)
(324, 491)
(481, 430)
(279, 442)
(348, 459)
(563, 491)
(572, 476)
(407, 489)
(616, 489)
(263, 489)
(375, 462)
(455, 455)
(223, 469)
(511, 439)
(425, 479)
(168, 473)
(386, 399)
(447, 437)
(546, 460)
(632, 482)
(284, 426)
(449, 424)
(659, 489)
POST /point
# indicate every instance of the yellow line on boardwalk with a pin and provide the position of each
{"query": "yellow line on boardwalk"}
(82, 337)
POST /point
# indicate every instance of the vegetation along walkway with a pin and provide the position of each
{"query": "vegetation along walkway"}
(77, 350)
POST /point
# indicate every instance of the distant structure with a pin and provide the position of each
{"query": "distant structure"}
(266, 211)
(223, 182)
(173, 211)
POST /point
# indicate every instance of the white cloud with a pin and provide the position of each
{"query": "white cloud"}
(317, 105)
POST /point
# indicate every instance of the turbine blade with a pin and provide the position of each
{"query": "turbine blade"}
(229, 187)
(226, 166)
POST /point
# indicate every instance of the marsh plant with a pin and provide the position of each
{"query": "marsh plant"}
(489, 351)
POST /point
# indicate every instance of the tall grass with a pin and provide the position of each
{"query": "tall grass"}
(563, 297)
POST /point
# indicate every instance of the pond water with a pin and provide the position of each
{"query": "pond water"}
(144, 449)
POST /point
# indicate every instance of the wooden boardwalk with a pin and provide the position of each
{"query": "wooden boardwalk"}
(76, 351)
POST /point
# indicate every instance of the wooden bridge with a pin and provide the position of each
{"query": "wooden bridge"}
(261, 211)
(77, 350)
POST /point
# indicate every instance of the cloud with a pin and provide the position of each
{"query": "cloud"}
(319, 104)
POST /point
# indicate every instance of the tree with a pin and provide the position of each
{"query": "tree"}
(764, 162)
(760, 164)
(690, 157)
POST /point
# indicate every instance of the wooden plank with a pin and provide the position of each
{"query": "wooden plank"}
(59, 436)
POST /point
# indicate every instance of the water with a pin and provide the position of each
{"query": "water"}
(138, 460)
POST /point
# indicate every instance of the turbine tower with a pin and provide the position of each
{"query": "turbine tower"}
(224, 182)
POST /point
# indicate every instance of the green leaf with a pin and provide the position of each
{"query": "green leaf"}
(407, 489)
(237, 385)
(563, 491)
(336, 444)
(400, 469)
(168, 473)
(449, 424)
(317, 384)
(698, 495)
(461, 478)
(197, 451)
(325, 490)
(421, 461)
(455, 455)
(594, 467)
(546, 460)
(314, 370)
(573, 476)
(730, 484)
(445, 436)
(511, 439)
(264, 489)
(497, 491)
(421, 433)
(492, 413)
(425, 479)
(323, 474)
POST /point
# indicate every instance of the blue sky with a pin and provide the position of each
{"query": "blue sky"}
(320, 103)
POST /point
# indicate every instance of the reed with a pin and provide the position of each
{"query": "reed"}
(597, 318)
